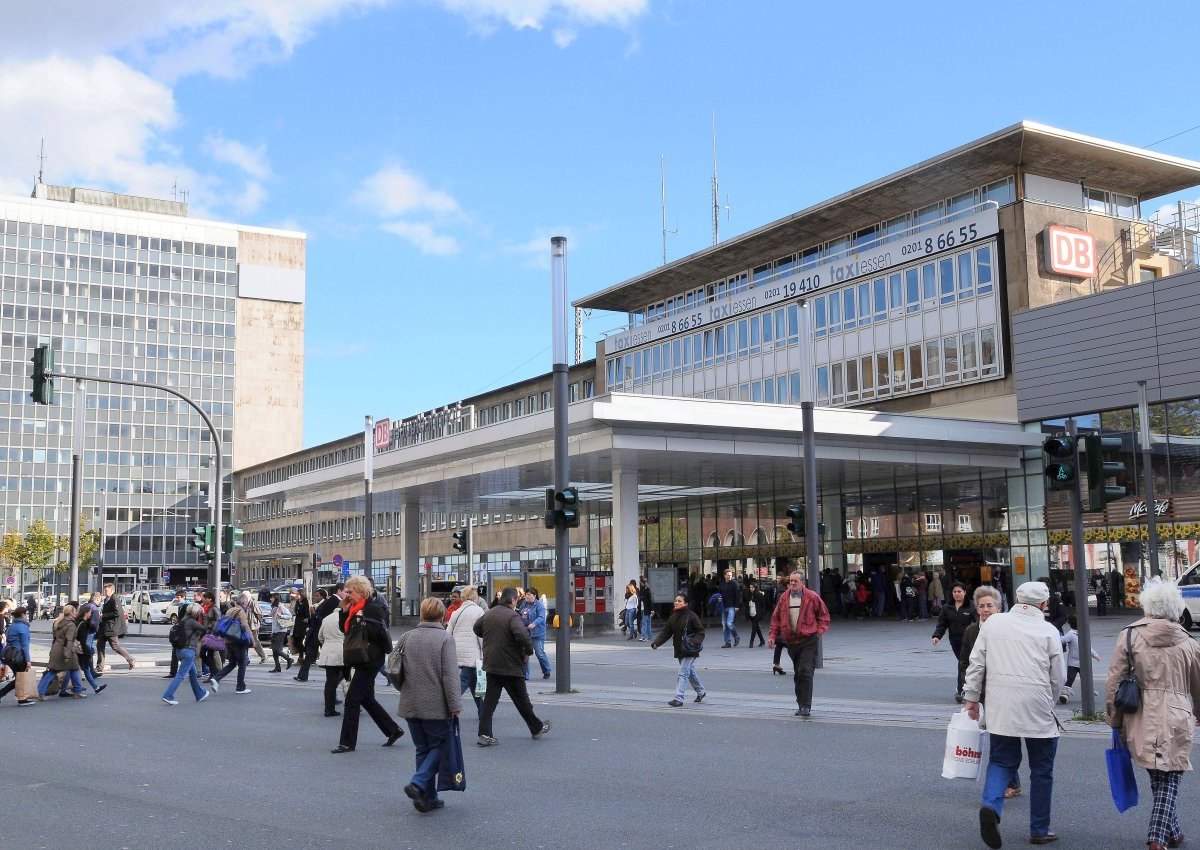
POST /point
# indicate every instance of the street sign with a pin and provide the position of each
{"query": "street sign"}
(345, 570)
(142, 573)
(10, 580)
(166, 574)
(337, 560)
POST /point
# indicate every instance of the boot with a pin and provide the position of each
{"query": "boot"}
(277, 669)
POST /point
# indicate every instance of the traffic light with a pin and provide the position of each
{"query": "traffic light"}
(460, 541)
(231, 536)
(562, 508)
(202, 538)
(796, 519)
(1060, 468)
(1100, 468)
(43, 386)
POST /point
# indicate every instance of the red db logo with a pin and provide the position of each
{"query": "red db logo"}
(1070, 252)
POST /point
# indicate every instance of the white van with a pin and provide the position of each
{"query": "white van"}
(153, 606)
(1189, 586)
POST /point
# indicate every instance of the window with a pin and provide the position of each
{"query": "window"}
(911, 287)
(868, 376)
(987, 350)
(966, 275)
(881, 303)
(1147, 273)
(964, 523)
(874, 526)
(933, 523)
(851, 380)
(950, 358)
(848, 310)
(983, 268)
(946, 272)
(970, 360)
(883, 384)
(819, 319)
(916, 375)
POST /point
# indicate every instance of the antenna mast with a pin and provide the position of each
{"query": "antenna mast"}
(662, 174)
(716, 206)
(42, 161)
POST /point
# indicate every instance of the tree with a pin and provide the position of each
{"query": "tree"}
(10, 555)
(38, 547)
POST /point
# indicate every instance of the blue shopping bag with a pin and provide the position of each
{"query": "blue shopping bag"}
(1121, 780)
(452, 773)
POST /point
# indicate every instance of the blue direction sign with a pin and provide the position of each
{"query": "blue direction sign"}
(166, 576)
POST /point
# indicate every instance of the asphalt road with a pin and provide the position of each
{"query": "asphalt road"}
(619, 769)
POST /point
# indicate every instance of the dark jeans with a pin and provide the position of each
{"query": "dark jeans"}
(756, 629)
(238, 658)
(467, 682)
(956, 648)
(515, 686)
(804, 662)
(361, 695)
(429, 739)
(334, 676)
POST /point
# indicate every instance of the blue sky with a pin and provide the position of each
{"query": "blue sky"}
(431, 149)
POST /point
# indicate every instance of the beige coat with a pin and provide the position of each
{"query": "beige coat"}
(330, 637)
(1159, 736)
(62, 649)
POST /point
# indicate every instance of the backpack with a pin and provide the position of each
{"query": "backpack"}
(176, 636)
(230, 628)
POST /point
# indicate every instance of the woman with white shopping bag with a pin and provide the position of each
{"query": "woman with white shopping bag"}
(1166, 662)
(467, 646)
(987, 601)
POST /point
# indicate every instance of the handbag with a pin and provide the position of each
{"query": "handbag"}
(480, 679)
(14, 658)
(356, 648)
(1121, 780)
(1128, 697)
(452, 774)
(211, 641)
(964, 750)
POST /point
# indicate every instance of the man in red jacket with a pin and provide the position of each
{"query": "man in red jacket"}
(800, 618)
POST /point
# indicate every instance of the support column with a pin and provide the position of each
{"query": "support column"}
(410, 558)
(626, 557)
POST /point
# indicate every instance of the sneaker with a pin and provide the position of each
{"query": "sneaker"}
(675, 703)
(700, 696)
(26, 701)
(242, 691)
(99, 688)
(726, 646)
(545, 728)
(737, 639)
(486, 741)
(215, 685)
(545, 675)
(1062, 699)
(170, 701)
(207, 694)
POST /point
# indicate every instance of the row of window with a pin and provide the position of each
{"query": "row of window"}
(111, 297)
(1001, 192)
(19, 261)
(957, 358)
(503, 411)
(77, 236)
(352, 528)
(22, 344)
(941, 282)
(300, 467)
(870, 526)
(94, 290)
(84, 319)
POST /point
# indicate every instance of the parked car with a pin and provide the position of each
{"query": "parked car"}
(127, 604)
(1189, 586)
(285, 620)
(153, 606)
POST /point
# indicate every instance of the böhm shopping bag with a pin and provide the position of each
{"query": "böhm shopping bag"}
(963, 748)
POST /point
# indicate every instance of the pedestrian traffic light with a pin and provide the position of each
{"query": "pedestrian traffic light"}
(1101, 466)
(1061, 466)
(796, 519)
(43, 385)
(567, 500)
(460, 541)
(202, 538)
(231, 536)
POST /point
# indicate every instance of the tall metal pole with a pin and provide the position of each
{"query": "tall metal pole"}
(76, 490)
(812, 540)
(214, 569)
(368, 481)
(1079, 563)
(1148, 471)
(562, 472)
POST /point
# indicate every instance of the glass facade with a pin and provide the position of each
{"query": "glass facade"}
(121, 302)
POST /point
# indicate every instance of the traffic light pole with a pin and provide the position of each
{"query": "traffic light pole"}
(1148, 470)
(1079, 563)
(76, 491)
(562, 471)
(369, 507)
(214, 571)
(812, 539)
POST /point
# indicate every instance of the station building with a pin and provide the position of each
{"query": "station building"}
(134, 288)
(685, 433)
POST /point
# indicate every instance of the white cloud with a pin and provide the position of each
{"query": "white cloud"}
(394, 190)
(424, 237)
(253, 161)
(536, 14)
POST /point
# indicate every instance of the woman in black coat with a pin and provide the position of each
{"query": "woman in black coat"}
(364, 619)
(300, 611)
(953, 620)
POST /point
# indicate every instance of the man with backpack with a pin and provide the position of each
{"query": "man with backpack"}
(180, 610)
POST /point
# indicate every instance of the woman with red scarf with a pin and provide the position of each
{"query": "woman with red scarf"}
(365, 618)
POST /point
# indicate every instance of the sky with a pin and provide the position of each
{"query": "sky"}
(429, 150)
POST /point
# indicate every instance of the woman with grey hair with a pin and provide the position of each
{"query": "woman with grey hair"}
(1159, 735)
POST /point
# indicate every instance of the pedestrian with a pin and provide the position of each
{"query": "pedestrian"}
(1159, 735)
(278, 634)
(1021, 657)
(455, 601)
(17, 634)
(631, 609)
(467, 645)
(506, 644)
(211, 658)
(254, 616)
(799, 620)
(1101, 597)
(907, 594)
(364, 623)
(921, 586)
(755, 606)
(63, 658)
(178, 606)
(300, 613)
(85, 651)
(953, 621)
(878, 590)
(731, 599)
(328, 604)
(937, 594)
(429, 699)
(987, 602)
(1116, 589)
(329, 642)
(113, 625)
(533, 615)
(683, 621)
(90, 608)
(236, 650)
(264, 595)
(192, 629)
(645, 609)
(1070, 642)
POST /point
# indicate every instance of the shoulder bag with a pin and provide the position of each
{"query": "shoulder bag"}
(1128, 698)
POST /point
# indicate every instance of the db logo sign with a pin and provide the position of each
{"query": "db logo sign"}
(1069, 251)
(383, 433)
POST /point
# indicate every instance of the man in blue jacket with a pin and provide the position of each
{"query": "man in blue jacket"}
(533, 615)
(731, 597)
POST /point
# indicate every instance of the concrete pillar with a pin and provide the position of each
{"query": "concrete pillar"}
(410, 557)
(626, 562)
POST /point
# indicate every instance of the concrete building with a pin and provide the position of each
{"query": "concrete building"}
(688, 454)
(133, 288)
